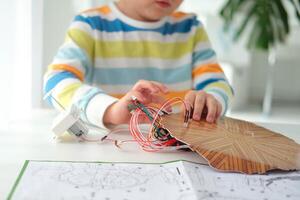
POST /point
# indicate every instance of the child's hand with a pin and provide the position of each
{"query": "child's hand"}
(204, 104)
(146, 92)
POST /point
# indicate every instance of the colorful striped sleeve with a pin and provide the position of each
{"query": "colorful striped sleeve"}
(207, 73)
(66, 77)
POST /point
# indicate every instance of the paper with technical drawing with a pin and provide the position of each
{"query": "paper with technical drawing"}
(179, 180)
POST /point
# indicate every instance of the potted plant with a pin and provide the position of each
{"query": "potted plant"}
(269, 25)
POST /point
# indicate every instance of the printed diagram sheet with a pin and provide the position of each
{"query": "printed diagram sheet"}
(180, 180)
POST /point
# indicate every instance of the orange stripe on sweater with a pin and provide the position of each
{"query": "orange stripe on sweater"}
(68, 68)
(207, 68)
(170, 95)
(103, 10)
(178, 15)
(180, 94)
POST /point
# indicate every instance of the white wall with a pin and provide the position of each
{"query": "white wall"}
(37, 52)
(287, 72)
(7, 20)
(15, 59)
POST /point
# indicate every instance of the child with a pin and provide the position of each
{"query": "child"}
(136, 47)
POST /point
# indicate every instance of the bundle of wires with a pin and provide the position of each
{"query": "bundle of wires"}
(157, 137)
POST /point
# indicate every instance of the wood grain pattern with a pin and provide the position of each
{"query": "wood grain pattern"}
(235, 145)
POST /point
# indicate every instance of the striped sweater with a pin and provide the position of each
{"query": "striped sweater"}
(105, 53)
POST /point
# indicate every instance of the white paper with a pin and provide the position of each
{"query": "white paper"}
(178, 180)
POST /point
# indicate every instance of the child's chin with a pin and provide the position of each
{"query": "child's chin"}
(159, 14)
(154, 19)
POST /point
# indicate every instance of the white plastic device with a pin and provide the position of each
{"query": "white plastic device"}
(69, 121)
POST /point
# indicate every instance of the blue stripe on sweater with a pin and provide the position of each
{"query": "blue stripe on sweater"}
(203, 84)
(54, 80)
(203, 55)
(128, 76)
(101, 24)
(71, 53)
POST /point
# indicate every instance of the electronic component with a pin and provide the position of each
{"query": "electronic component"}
(161, 137)
(69, 121)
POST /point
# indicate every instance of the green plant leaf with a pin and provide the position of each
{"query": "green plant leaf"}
(228, 11)
(283, 15)
(296, 10)
(245, 22)
(269, 21)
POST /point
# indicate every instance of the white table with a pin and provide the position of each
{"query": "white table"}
(33, 140)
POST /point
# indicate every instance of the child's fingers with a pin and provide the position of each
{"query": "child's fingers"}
(143, 85)
(199, 105)
(160, 100)
(190, 98)
(219, 110)
(152, 86)
(163, 88)
(212, 106)
(149, 98)
(138, 95)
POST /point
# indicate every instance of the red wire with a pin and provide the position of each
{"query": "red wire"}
(150, 142)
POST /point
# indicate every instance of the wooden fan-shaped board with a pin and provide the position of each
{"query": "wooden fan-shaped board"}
(235, 145)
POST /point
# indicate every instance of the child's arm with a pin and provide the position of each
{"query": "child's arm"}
(211, 88)
(73, 65)
(71, 68)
